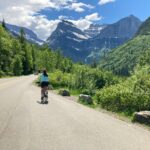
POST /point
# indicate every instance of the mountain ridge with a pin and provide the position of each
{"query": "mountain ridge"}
(111, 36)
(125, 58)
(29, 34)
(88, 45)
(124, 28)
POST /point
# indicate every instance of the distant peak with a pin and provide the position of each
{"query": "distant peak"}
(132, 16)
(66, 22)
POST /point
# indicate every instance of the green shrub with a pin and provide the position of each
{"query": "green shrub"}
(59, 79)
(88, 92)
(129, 96)
(82, 78)
(2, 73)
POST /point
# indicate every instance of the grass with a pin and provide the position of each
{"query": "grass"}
(3, 77)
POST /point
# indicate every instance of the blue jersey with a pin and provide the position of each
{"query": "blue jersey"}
(44, 78)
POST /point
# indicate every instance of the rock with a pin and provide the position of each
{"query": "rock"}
(85, 99)
(142, 117)
(50, 87)
(64, 92)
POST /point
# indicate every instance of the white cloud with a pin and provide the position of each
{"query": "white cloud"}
(62, 17)
(85, 22)
(81, 23)
(26, 13)
(102, 2)
(93, 17)
(79, 7)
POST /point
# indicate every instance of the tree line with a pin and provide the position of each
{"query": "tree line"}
(19, 57)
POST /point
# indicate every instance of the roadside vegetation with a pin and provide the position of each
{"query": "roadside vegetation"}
(129, 96)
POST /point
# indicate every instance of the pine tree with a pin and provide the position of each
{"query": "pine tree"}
(22, 36)
(58, 59)
(4, 24)
(33, 57)
(27, 60)
(94, 64)
(17, 66)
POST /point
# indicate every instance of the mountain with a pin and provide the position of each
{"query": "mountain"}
(123, 59)
(112, 36)
(145, 28)
(94, 29)
(87, 47)
(124, 28)
(68, 38)
(30, 35)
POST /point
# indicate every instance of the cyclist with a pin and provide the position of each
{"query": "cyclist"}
(44, 83)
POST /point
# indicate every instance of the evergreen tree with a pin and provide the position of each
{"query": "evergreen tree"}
(5, 55)
(27, 60)
(4, 24)
(22, 36)
(17, 66)
(58, 59)
(94, 64)
(33, 57)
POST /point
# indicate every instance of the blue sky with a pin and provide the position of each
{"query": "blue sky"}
(110, 12)
(42, 16)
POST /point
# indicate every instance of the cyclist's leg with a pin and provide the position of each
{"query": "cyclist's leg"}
(42, 93)
(46, 91)
(46, 94)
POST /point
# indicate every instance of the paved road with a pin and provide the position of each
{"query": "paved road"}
(60, 125)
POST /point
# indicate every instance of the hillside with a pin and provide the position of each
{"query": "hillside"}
(123, 59)
(145, 28)
(132, 93)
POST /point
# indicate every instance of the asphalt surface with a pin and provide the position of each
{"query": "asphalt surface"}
(61, 125)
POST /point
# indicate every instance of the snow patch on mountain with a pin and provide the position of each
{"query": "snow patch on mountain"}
(94, 29)
(73, 39)
(81, 36)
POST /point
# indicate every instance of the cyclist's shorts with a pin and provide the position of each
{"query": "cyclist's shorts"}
(44, 84)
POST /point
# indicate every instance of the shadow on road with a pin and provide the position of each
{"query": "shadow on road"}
(39, 102)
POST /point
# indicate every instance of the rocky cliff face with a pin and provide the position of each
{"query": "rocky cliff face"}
(68, 38)
(88, 46)
(124, 28)
(94, 29)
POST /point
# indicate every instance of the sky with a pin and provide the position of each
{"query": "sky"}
(42, 16)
